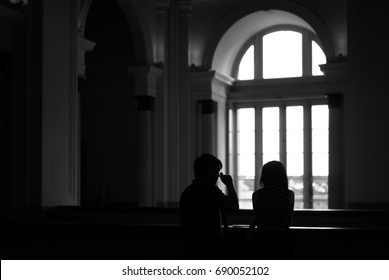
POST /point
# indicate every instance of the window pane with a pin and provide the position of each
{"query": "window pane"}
(245, 118)
(246, 143)
(270, 118)
(245, 191)
(270, 134)
(297, 185)
(294, 129)
(294, 117)
(246, 65)
(246, 166)
(320, 164)
(295, 164)
(245, 180)
(320, 117)
(282, 54)
(318, 58)
(245, 156)
(320, 192)
(270, 157)
(320, 140)
(271, 142)
(246, 131)
(295, 140)
(231, 142)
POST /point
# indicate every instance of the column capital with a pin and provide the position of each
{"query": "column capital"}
(145, 103)
(84, 45)
(185, 7)
(334, 100)
(335, 76)
(163, 5)
(208, 106)
(146, 78)
(210, 85)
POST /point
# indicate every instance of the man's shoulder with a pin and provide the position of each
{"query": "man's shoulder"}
(188, 193)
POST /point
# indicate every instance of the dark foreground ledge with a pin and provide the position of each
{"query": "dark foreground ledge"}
(73, 233)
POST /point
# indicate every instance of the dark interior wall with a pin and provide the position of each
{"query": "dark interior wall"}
(108, 110)
(107, 26)
(366, 111)
(18, 138)
(365, 99)
(109, 113)
(109, 143)
(209, 16)
(6, 133)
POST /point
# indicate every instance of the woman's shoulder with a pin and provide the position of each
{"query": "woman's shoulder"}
(258, 192)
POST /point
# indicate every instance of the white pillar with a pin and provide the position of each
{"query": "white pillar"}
(336, 87)
(336, 199)
(60, 138)
(208, 129)
(146, 192)
(185, 138)
(210, 89)
(146, 81)
(162, 161)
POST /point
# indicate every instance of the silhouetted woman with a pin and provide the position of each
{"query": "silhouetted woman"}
(273, 206)
(273, 202)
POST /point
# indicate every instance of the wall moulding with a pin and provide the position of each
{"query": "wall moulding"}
(146, 79)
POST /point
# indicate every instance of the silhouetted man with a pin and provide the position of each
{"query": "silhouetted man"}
(203, 206)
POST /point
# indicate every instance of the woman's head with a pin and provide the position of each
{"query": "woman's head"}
(274, 174)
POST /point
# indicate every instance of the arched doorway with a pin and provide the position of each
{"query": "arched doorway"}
(108, 109)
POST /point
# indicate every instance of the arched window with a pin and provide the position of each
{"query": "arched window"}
(280, 52)
(277, 111)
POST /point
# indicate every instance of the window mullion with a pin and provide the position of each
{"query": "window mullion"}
(258, 145)
(234, 142)
(283, 134)
(307, 54)
(258, 57)
(307, 194)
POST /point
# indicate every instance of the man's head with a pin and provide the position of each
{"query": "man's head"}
(207, 167)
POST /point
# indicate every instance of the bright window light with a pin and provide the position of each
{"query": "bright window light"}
(282, 54)
(246, 65)
(245, 156)
(320, 140)
(318, 58)
(295, 140)
(271, 134)
(246, 138)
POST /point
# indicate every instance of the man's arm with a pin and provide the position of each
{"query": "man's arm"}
(232, 202)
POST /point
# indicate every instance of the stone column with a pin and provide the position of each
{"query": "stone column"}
(335, 178)
(184, 136)
(145, 92)
(210, 89)
(60, 138)
(208, 126)
(336, 86)
(145, 151)
(162, 161)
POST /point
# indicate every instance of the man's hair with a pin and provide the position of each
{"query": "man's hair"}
(204, 163)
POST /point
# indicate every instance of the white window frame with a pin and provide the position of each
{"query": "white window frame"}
(307, 90)
(257, 40)
(282, 104)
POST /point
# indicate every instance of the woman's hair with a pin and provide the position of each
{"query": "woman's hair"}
(204, 163)
(274, 174)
